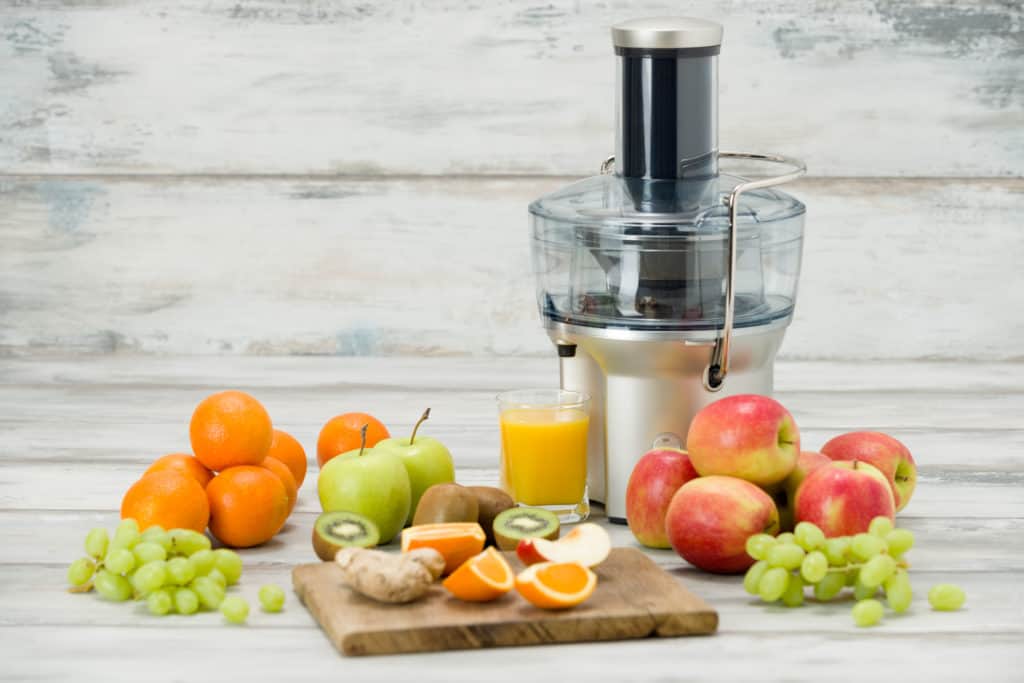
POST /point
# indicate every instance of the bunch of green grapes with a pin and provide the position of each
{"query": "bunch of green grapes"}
(868, 563)
(173, 571)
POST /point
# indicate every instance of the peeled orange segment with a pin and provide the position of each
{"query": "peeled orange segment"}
(456, 541)
(556, 585)
(481, 578)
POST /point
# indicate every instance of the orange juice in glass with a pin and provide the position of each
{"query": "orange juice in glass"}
(544, 450)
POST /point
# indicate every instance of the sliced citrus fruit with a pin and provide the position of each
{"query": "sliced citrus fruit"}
(481, 578)
(456, 541)
(556, 585)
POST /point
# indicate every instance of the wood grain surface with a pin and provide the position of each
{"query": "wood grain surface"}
(861, 87)
(75, 433)
(634, 599)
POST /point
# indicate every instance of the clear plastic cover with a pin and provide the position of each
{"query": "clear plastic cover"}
(603, 259)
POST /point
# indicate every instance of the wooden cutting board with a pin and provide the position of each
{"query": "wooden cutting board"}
(634, 599)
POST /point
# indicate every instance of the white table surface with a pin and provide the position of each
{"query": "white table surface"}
(76, 432)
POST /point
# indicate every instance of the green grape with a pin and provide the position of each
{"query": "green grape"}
(814, 566)
(773, 584)
(271, 597)
(862, 591)
(752, 579)
(120, 561)
(866, 546)
(787, 556)
(186, 601)
(218, 577)
(188, 542)
(830, 586)
(159, 602)
(150, 577)
(898, 592)
(209, 591)
(235, 609)
(96, 542)
(880, 526)
(786, 537)
(180, 571)
(127, 534)
(899, 541)
(758, 546)
(851, 577)
(809, 536)
(111, 586)
(81, 571)
(867, 612)
(946, 597)
(147, 551)
(794, 595)
(156, 534)
(836, 550)
(202, 561)
(879, 568)
(229, 564)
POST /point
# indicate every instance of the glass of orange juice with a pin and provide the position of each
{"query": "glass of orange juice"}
(544, 450)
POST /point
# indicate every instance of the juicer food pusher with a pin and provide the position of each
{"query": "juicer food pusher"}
(666, 284)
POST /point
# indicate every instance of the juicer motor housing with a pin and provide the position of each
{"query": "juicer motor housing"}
(665, 285)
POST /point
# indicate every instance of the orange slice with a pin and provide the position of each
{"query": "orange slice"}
(456, 541)
(481, 578)
(556, 585)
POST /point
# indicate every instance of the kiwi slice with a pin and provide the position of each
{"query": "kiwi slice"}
(336, 530)
(515, 524)
(491, 502)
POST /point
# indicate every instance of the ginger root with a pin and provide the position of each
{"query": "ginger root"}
(429, 558)
(387, 577)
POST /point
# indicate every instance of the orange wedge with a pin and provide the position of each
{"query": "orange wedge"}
(556, 585)
(481, 578)
(456, 541)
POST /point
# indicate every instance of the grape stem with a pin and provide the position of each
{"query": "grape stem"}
(902, 564)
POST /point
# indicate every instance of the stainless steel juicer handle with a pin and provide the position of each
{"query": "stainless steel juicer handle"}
(718, 366)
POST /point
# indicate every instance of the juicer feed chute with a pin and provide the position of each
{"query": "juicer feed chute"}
(664, 284)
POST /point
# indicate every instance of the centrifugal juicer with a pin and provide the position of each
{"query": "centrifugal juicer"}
(664, 284)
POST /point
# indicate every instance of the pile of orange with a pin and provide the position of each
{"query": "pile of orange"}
(242, 480)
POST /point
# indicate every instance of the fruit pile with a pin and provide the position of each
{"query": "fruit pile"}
(242, 480)
(173, 571)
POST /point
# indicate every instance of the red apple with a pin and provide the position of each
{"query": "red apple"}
(747, 436)
(656, 477)
(784, 493)
(884, 452)
(710, 518)
(842, 498)
(587, 544)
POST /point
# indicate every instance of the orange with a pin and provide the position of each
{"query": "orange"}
(285, 475)
(556, 585)
(168, 498)
(481, 578)
(248, 505)
(230, 429)
(184, 463)
(285, 448)
(342, 434)
(456, 541)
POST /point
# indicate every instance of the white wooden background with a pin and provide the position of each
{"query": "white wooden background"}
(300, 177)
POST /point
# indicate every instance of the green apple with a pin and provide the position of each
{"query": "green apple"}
(426, 460)
(371, 483)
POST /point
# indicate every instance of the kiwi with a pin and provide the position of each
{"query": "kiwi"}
(515, 524)
(443, 503)
(333, 531)
(491, 502)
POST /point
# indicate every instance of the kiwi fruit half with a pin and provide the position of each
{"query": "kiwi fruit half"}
(491, 502)
(444, 503)
(333, 531)
(515, 524)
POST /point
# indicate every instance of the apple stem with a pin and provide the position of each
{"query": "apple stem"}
(362, 445)
(423, 418)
